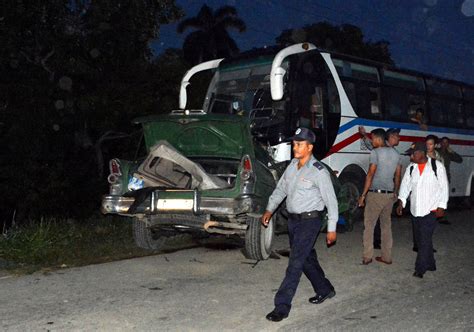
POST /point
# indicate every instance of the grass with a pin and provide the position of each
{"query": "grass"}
(65, 243)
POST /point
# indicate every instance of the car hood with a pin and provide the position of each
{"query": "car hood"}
(199, 135)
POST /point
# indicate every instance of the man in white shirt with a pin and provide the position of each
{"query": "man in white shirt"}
(426, 183)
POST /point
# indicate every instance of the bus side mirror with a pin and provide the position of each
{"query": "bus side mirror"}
(183, 98)
(276, 83)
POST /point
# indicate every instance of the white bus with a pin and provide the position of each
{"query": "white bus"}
(333, 94)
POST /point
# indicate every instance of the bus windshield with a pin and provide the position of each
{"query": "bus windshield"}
(241, 90)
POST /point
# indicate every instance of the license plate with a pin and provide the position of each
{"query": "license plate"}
(135, 183)
(175, 204)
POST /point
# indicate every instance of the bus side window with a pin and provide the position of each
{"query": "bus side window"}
(375, 102)
(367, 101)
(469, 111)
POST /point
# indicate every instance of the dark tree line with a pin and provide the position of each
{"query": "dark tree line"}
(73, 74)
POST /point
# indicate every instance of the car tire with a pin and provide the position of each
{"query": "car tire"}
(145, 237)
(151, 239)
(259, 239)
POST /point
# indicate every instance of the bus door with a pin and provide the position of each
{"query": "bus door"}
(315, 102)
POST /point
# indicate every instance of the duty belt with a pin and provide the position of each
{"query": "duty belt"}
(380, 191)
(305, 215)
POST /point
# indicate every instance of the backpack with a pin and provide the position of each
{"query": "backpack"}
(433, 166)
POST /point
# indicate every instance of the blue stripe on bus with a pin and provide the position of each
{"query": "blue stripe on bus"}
(407, 126)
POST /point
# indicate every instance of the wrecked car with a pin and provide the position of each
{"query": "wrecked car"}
(204, 172)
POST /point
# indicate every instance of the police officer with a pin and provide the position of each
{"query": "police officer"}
(307, 186)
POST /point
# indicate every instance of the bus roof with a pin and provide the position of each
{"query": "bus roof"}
(264, 55)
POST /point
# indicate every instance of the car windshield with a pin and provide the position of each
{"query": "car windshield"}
(240, 91)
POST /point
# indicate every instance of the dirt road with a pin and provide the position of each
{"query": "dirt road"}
(206, 289)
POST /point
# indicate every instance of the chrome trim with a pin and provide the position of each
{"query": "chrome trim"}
(202, 205)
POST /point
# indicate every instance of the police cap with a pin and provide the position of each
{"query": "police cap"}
(303, 134)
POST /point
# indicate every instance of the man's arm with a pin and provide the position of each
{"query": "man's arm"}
(444, 185)
(367, 184)
(405, 186)
(326, 188)
(453, 156)
(366, 138)
(275, 199)
(396, 180)
(404, 191)
(329, 198)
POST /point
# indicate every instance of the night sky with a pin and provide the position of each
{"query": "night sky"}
(432, 36)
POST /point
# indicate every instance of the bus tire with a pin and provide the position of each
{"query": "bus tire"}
(259, 239)
(353, 184)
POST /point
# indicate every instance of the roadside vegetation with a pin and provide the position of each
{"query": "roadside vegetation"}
(55, 243)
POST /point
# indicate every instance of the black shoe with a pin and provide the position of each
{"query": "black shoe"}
(276, 316)
(418, 275)
(320, 299)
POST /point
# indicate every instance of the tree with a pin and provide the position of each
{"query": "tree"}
(347, 39)
(70, 71)
(211, 39)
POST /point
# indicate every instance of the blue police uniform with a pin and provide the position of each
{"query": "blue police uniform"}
(307, 190)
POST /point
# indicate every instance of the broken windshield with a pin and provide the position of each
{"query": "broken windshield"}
(242, 91)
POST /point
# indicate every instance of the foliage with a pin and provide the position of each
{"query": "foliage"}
(346, 38)
(52, 242)
(211, 39)
(72, 76)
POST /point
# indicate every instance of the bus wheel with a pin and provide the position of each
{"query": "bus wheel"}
(352, 186)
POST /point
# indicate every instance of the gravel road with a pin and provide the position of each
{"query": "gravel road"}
(209, 289)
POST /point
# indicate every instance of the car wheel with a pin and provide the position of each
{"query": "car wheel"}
(145, 237)
(259, 239)
(152, 239)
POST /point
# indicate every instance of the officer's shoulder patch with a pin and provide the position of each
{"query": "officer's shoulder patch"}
(318, 165)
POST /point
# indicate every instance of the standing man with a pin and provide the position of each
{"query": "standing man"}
(429, 196)
(448, 156)
(307, 186)
(392, 139)
(381, 185)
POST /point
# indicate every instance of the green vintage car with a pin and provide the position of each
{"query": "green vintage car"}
(204, 172)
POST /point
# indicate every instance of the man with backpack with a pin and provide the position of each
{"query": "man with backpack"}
(425, 182)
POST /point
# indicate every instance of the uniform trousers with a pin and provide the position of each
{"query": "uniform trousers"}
(303, 259)
(423, 228)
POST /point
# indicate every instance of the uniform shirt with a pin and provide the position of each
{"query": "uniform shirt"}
(427, 191)
(387, 159)
(306, 189)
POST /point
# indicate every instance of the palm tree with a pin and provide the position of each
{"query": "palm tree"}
(211, 39)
